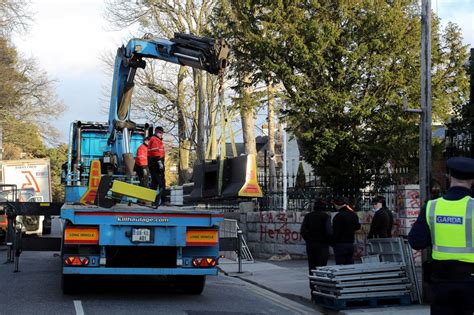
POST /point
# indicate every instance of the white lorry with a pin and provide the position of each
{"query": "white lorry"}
(33, 182)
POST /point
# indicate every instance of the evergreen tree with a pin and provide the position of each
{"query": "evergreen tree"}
(57, 157)
(346, 67)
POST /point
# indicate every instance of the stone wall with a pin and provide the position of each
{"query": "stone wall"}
(274, 233)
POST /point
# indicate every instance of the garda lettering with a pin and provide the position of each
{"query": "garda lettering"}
(444, 219)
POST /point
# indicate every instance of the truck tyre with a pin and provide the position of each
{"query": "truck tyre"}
(190, 284)
(69, 284)
(47, 225)
(46, 230)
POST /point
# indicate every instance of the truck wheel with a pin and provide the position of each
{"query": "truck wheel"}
(190, 284)
(69, 284)
(47, 225)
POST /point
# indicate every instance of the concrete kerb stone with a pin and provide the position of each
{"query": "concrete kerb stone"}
(297, 298)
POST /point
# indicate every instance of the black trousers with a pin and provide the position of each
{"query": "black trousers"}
(157, 175)
(452, 297)
(318, 254)
(143, 174)
(343, 253)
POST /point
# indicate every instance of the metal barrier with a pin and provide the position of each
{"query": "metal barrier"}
(232, 239)
(15, 240)
(397, 249)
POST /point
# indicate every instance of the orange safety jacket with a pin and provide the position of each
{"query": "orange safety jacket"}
(142, 155)
(156, 148)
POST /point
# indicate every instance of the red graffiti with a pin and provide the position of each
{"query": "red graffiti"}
(282, 233)
(268, 218)
(282, 217)
(414, 198)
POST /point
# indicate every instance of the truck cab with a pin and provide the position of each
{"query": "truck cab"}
(88, 142)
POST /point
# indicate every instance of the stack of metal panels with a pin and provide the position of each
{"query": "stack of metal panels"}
(397, 250)
(378, 279)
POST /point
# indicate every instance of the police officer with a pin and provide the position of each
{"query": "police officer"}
(446, 225)
(316, 230)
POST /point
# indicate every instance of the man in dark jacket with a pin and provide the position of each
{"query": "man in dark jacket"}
(446, 225)
(344, 225)
(316, 231)
(156, 162)
(382, 222)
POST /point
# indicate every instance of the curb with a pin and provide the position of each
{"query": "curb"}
(293, 297)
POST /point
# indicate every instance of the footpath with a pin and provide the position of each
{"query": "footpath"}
(290, 279)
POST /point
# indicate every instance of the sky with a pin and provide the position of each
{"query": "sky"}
(68, 38)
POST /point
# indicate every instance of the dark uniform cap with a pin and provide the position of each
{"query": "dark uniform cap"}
(461, 167)
(159, 129)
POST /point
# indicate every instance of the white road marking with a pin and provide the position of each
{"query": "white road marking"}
(78, 307)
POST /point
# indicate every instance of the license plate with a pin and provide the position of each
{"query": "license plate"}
(141, 235)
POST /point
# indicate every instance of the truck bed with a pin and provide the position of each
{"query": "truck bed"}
(123, 214)
(175, 237)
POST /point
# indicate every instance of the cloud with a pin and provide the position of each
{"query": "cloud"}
(68, 39)
(460, 12)
(69, 36)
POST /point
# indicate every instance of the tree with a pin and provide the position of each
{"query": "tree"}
(230, 23)
(14, 16)
(300, 181)
(169, 94)
(27, 103)
(57, 157)
(346, 67)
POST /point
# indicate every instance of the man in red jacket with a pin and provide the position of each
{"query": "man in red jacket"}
(141, 163)
(156, 161)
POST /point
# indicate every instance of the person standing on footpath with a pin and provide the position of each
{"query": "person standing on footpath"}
(141, 163)
(446, 225)
(382, 222)
(344, 225)
(156, 161)
(316, 231)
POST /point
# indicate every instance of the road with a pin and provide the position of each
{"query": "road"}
(36, 290)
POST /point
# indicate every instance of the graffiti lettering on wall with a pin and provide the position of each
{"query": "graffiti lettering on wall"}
(274, 217)
(282, 233)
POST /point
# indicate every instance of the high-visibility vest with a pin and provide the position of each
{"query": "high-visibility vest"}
(156, 148)
(450, 223)
(142, 155)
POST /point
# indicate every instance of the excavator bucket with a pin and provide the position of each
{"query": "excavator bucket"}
(240, 177)
(206, 181)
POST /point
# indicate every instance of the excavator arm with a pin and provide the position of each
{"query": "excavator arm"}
(197, 52)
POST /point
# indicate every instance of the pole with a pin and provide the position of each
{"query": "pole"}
(201, 143)
(425, 125)
(239, 249)
(471, 100)
(285, 179)
(1, 142)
